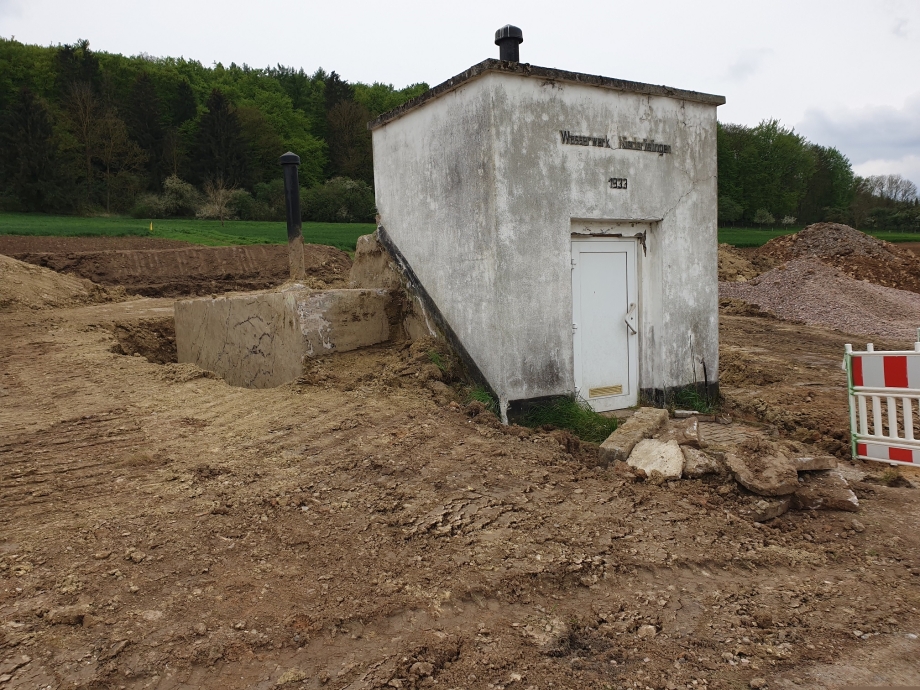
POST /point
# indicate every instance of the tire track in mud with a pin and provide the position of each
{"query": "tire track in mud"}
(46, 471)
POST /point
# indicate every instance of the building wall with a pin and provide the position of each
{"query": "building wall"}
(478, 192)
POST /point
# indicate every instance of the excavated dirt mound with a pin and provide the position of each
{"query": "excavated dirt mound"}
(193, 270)
(737, 266)
(809, 291)
(23, 286)
(856, 254)
(12, 245)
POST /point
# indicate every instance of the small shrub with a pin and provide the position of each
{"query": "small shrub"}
(437, 360)
(340, 200)
(572, 414)
(179, 197)
(149, 206)
(690, 399)
(481, 394)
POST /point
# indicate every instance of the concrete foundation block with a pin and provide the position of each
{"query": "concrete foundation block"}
(261, 339)
(644, 424)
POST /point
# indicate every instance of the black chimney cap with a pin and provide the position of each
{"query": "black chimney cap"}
(289, 158)
(509, 32)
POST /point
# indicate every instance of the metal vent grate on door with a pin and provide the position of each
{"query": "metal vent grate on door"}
(605, 391)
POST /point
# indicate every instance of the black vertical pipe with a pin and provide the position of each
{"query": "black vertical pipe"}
(508, 39)
(289, 162)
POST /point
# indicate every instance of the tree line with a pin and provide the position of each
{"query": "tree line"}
(770, 175)
(87, 132)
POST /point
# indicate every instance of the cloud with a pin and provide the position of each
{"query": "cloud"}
(9, 8)
(873, 134)
(907, 166)
(900, 27)
(747, 65)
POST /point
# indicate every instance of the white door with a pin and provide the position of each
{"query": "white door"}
(605, 321)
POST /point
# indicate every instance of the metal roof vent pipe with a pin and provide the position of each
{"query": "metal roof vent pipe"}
(508, 38)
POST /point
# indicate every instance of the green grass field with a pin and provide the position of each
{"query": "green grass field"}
(207, 232)
(755, 237)
(340, 235)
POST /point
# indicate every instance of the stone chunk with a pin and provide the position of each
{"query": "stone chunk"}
(697, 463)
(685, 432)
(767, 475)
(654, 457)
(811, 463)
(767, 509)
(644, 424)
(825, 491)
(68, 615)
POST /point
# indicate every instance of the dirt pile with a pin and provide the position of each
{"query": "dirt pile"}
(852, 252)
(23, 286)
(193, 270)
(809, 291)
(734, 267)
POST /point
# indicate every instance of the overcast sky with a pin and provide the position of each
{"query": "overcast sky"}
(844, 73)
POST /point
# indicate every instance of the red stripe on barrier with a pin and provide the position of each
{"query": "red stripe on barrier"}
(861, 449)
(857, 371)
(901, 454)
(895, 372)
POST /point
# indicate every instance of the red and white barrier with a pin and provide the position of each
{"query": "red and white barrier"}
(884, 397)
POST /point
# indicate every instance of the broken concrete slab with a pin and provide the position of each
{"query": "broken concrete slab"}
(686, 432)
(645, 423)
(261, 339)
(767, 475)
(656, 458)
(813, 463)
(826, 490)
(697, 463)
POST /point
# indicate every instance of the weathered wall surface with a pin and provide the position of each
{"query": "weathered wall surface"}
(260, 340)
(479, 192)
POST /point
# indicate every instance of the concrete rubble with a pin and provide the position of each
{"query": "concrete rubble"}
(782, 475)
(767, 475)
(826, 490)
(645, 423)
(657, 459)
(698, 463)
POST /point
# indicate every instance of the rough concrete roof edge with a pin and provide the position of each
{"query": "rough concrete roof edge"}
(548, 74)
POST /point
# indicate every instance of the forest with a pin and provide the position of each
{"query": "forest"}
(88, 133)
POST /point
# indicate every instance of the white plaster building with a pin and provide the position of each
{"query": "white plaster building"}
(563, 225)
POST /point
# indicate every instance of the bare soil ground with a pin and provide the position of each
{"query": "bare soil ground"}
(166, 268)
(359, 529)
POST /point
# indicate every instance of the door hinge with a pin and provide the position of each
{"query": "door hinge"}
(574, 327)
(573, 263)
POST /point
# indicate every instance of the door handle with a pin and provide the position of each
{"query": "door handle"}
(630, 319)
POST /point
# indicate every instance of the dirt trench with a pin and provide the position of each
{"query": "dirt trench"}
(145, 267)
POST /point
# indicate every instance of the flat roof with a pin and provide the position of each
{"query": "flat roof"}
(548, 74)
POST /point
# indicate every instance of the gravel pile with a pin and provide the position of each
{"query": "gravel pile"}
(811, 292)
(854, 253)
